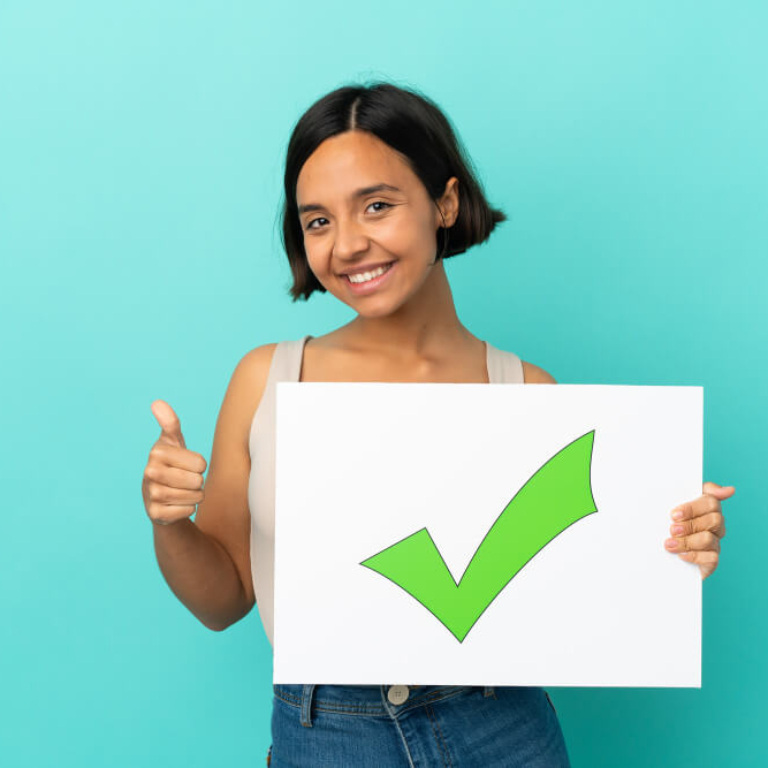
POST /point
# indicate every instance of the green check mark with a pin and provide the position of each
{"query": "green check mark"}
(557, 495)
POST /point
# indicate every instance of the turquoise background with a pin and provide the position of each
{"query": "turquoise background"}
(141, 150)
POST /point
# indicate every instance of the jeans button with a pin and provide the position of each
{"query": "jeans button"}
(397, 694)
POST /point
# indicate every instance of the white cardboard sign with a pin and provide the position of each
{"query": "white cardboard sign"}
(485, 534)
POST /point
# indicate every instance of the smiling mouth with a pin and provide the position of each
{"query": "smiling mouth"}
(362, 278)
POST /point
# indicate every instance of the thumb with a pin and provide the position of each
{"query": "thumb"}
(169, 423)
(718, 491)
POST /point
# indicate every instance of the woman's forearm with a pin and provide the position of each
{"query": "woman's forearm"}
(200, 573)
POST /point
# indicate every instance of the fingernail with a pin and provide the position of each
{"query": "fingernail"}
(677, 514)
(671, 544)
(675, 529)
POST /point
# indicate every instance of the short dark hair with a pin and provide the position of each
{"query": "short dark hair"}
(413, 125)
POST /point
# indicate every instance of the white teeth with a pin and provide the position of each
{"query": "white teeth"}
(366, 276)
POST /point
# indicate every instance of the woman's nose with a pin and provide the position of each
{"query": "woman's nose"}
(349, 239)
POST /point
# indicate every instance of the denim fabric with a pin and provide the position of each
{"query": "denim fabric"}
(335, 726)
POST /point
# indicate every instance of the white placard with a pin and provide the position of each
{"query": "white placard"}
(584, 477)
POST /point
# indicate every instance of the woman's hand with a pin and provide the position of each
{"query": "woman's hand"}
(173, 481)
(697, 527)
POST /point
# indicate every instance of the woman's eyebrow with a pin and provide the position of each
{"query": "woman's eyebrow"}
(362, 192)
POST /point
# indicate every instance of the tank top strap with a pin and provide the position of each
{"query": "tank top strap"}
(286, 361)
(504, 367)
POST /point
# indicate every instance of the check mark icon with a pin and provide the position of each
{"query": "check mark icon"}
(557, 495)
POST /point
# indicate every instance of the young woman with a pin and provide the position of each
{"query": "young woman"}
(378, 192)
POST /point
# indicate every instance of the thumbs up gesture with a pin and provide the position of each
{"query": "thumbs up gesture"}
(173, 478)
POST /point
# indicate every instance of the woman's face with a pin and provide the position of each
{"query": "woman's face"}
(350, 228)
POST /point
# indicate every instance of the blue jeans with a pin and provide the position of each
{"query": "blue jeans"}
(357, 726)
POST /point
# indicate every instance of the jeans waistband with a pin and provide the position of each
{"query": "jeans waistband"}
(363, 699)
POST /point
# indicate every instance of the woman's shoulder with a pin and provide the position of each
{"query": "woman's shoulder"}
(246, 387)
(259, 358)
(252, 370)
(253, 367)
(533, 374)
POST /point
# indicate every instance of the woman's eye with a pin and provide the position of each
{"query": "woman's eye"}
(376, 202)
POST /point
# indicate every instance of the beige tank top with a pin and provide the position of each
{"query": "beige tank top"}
(503, 368)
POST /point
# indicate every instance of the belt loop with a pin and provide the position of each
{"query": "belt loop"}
(306, 705)
(488, 692)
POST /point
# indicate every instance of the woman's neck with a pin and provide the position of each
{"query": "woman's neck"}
(427, 322)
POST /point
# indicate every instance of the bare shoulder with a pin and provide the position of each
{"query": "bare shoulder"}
(533, 374)
(250, 378)
(247, 385)
(257, 361)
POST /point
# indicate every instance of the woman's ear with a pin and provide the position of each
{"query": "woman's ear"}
(449, 203)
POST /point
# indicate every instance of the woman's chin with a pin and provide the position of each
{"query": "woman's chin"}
(371, 312)
(367, 306)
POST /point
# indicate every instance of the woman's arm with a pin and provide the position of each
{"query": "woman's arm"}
(207, 562)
